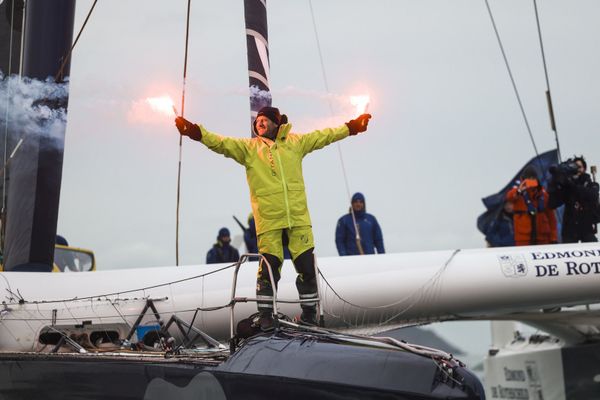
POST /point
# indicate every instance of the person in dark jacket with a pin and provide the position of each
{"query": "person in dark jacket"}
(222, 251)
(371, 238)
(501, 232)
(573, 187)
(250, 236)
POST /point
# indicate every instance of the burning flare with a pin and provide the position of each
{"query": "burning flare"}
(163, 104)
(361, 103)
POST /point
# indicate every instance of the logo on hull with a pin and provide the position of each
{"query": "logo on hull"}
(513, 266)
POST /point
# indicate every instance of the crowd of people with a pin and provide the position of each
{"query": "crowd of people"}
(529, 214)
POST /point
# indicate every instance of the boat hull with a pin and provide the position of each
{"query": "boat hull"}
(266, 367)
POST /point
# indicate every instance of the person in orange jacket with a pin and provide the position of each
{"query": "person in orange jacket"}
(534, 221)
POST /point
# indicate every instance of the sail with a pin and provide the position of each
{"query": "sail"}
(257, 42)
(36, 169)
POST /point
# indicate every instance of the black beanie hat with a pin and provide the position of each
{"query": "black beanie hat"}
(223, 232)
(273, 114)
(270, 112)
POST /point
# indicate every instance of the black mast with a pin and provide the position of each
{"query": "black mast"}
(35, 171)
(257, 42)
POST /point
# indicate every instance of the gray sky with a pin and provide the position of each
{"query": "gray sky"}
(446, 128)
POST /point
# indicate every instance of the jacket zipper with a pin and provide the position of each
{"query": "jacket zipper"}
(285, 194)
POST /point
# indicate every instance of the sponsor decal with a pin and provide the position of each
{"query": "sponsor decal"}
(566, 263)
(548, 264)
(513, 265)
(554, 255)
(519, 383)
(501, 392)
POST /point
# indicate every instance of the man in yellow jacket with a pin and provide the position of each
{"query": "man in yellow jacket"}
(273, 162)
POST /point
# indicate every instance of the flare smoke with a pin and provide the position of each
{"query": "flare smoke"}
(33, 107)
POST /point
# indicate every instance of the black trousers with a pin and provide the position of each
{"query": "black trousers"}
(306, 282)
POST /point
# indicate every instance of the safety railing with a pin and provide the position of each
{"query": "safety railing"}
(275, 300)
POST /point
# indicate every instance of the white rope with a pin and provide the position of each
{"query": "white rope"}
(339, 147)
(426, 293)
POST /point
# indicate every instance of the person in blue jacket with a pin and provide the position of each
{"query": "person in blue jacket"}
(501, 232)
(371, 238)
(222, 251)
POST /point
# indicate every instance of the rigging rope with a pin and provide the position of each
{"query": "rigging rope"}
(339, 147)
(10, 50)
(185, 59)
(548, 95)
(105, 295)
(5, 161)
(514, 85)
(119, 315)
(59, 74)
(418, 296)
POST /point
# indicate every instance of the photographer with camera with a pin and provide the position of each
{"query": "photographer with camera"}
(572, 186)
(534, 220)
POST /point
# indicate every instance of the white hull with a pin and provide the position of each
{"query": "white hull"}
(378, 291)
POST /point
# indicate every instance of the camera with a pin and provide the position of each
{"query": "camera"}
(564, 171)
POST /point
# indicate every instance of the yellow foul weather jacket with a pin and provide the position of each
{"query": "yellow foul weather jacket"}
(274, 171)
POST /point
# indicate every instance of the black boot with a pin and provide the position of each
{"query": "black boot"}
(309, 317)
(265, 321)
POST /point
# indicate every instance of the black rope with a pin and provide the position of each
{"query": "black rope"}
(548, 95)
(22, 300)
(185, 58)
(514, 85)
(119, 315)
(59, 74)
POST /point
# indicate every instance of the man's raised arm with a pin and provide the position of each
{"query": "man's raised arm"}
(234, 148)
(318, 139)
